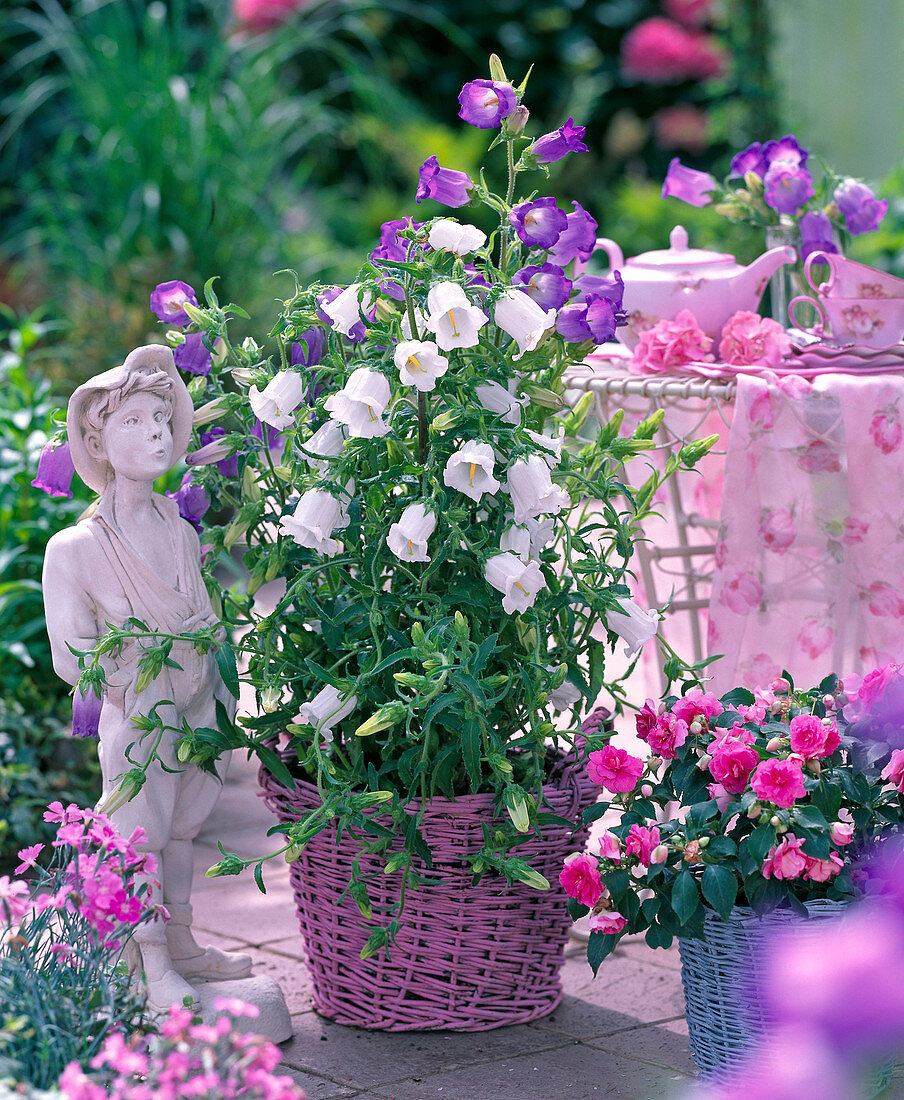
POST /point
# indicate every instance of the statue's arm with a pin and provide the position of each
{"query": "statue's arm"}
(68, 606)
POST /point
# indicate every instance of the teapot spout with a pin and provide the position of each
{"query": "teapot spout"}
(753, 279)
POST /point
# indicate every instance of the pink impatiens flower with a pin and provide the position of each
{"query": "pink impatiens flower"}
(786, 860)
(614, 769)
(821, 870)
(667, 735)
(606, 921)
(580, 878)
(748, 338)
(668, 345)
(697, 704)
(641, 842)
(732, 764)
(779, 781)
(894, 769)
(811, 739)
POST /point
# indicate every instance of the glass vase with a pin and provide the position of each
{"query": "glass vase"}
(788, 280)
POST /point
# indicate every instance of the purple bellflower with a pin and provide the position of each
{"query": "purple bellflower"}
(86, 713)
(307, 350)
(787, 149)
(558, 143)
(546, 284)
(229, 466)
(787, 187)
(445, 185)
(688, 184)
(192, 499)
(750, 159)
(539, 223)
(815, 234)
(55, 470)
(861, 210)
(193, 356)
(578, 240)
(595, 319)
(168, 299)
(485, 103)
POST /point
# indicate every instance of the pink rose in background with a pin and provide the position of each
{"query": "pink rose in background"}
(580, 878)
(682, 126)
(821, 870)
(874, 684)
(668, 345)
(732, 764)
(262, 14)
(776, 529)
(667, 736)
(742, 594)
(736, 733)
(689, 12)
(660, 51)
(760, 409)
(641, 841)
(884, 601)
(610, 846)
(841, 832)
(779, 781)
(614, 769)
(697, 704)
(894, 769)
(886, 432)
(748, 338)
(811, 739)
(854, 530)
(608, 922)
(819, 458)
(815, 638)
(760, 669)
(786, 860)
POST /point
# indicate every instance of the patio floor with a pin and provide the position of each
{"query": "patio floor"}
(621, 1035)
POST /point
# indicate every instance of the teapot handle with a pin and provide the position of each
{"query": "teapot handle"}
(818, 258)
(612, 250)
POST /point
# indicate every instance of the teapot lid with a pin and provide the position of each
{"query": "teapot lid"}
(679, 255)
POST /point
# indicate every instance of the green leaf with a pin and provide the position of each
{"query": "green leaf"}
(575, 909)
(737, 697)
(470, 751)
(827, 797)
(594, 812)
(720, 888)
(599, 947)
(685, 896)
(657, 936)
(259, 877)
(274, 764)
(810, 817)
(225, 658)
(759, 842)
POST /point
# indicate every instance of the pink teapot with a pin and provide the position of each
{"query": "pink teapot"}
(712, 285)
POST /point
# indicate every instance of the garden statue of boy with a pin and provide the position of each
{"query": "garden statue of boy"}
(134, 556)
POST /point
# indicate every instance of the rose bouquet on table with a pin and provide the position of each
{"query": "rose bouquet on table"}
(756, 799)
(397, 455)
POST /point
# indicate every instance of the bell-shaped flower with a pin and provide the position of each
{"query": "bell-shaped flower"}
(419, 363)
(519, 315)
(564, 697)
(326, 709)
(86, 710)
(451, 317)
(545, 283)
(360, 404)
(497, 399)
(550, 449)
(485, 103)
(407, 538)
(451, 236)
(55, 470)
(316, 516)
(518, 581)
(516, 540)
(579, 239)
(632, 624)
(281, 396)
(192, 355)
(532, 491)
(326, 442)
(538, 222)
(419, 319)
(470, 470)
(445, 185)
(168, 301)
(542, 531)
(344, 311)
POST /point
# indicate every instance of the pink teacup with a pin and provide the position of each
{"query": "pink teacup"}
(850, 279)
(868, 322)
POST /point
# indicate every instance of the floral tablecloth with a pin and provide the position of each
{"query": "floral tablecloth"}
(810, 557)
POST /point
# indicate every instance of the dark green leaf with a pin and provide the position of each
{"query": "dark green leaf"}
(720, 888)
(810, 817)
(275, 766)
(759, 842)
(599, 947)
(594, 812)
(685, 896)
(738, 697)
(225, 658)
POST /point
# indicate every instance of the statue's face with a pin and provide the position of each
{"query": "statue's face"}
(136, 439)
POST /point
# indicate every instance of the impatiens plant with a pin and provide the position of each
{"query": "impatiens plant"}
(757, 799)
(451, 557)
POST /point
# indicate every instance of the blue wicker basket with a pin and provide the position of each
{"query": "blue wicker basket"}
(722, 995)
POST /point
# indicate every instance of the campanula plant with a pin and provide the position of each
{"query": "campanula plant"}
(450, 558)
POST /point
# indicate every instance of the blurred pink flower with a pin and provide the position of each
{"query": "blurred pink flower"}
(742, 594)
(815, 638)
(689, 12)
(893, 770)
(668, 345)
(885, 601)
(261, 15)
(874, 683)
(820, 458)
(660, 51)
(886, 432)
(682, 126)
(760, 409)
(748, 338)
(776, 529)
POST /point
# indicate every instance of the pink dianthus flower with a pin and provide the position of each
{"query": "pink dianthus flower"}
(748, 339)
(668, 345)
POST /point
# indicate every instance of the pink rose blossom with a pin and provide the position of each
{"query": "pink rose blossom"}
(886, 433)
(641, 841)
(697, 704)
(667, 736)
(874, 685)
(659, 51)
(608, 922)
(893, 771)
(841, 832)
(884, 601)
(821, 870)
(815, 638)
(668, 345)
(645, 718)
(614, 769)
(610, 846)
(742, 594)
(779, 781)
(748, 339)
(819, 458)
(776, 530)
(580, 878)
(732, 764)
(786, 860)
(811, 739)
(721, 796)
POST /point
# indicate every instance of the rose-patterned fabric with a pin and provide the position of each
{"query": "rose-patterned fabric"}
(810, 557)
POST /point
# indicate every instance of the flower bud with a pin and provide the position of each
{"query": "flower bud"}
(195, 314)
(659, 854)
(183, 752)
(283, 473)
(646, 789)
(384, 310)
(213, 410)
(813, 767)
(828, 721)
(774, 744)
(829, 702)
(526, 874)
(460, 627)
(841, 833)
(695, 727)
(754, 811)
(293, 852)
(418, 637)
(704, 762)
(250, 488)
(131, 784)
(497, 72)
(444, 421)
(516, 121)
(385, 718)
(780, 685)
(654, 764)
(774, 821)
(754, 183)
(270, 697)
(703, 841)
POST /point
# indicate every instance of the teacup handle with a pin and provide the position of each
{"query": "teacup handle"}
(819, 327)
(603, 244)
(818, 258)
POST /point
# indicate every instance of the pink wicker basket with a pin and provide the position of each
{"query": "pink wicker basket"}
(468, 958)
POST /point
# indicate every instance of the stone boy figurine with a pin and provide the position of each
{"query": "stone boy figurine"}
(135, 556)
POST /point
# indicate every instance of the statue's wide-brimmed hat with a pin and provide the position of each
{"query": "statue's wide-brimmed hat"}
(148, 360)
